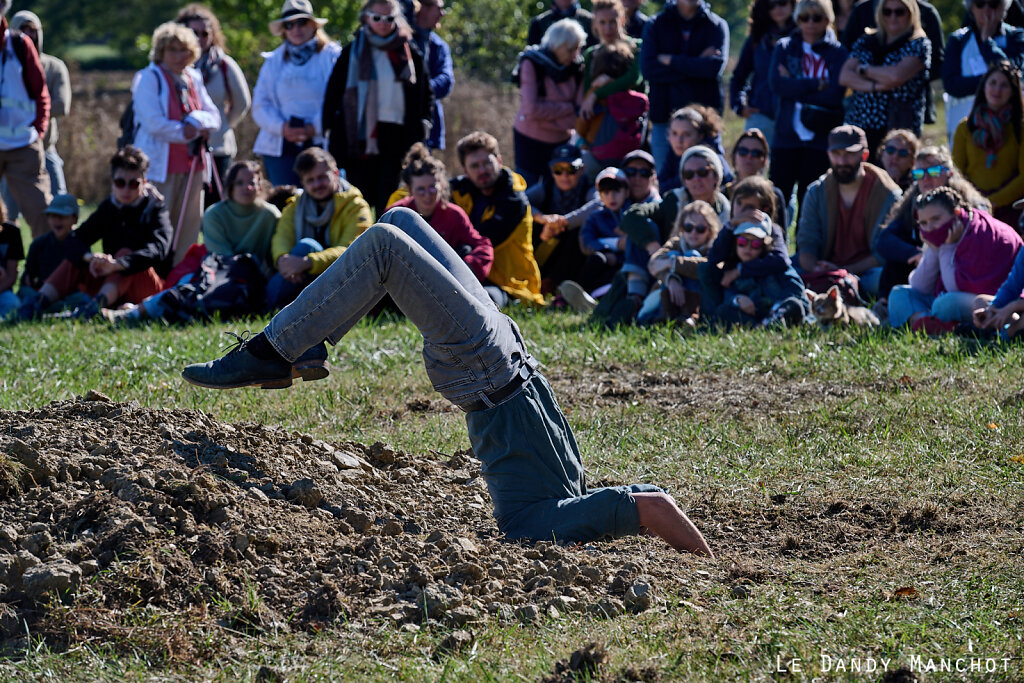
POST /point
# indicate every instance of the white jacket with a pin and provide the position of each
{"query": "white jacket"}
(156, 132)
(284, 90)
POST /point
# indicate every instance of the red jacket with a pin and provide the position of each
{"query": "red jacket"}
(35, 79)
(454, 227)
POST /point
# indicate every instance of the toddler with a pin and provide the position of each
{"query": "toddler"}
(675, 264)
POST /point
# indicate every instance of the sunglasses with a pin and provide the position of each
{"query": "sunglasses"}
(563, 170)
(289, 25)
(702, 173)
(698, 228)
(897, 151)
(642, 172)
(121, 183)
(775, 4)
(811, 18)
(989, 4)
(750, 151)
(753, 242)
(932, 171)
(424, 191)
(386, 18)
(895, 11)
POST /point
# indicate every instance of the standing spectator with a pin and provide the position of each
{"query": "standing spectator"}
(58, 83)
(226, 86)
(176, 117)
(636, 21)
(243, 222)
(843, 212)
(560, 9)
(844, 12)
(750, 91)
(23, 122)
(805, 77)
(683, 56)
(896, 155)
(429, 194)
(550, 94)
(378, 102)
(437, 57)
(986, 40)
(494, 198)
(862, 19)
(888, 73)
(988, 147)
(288, 100)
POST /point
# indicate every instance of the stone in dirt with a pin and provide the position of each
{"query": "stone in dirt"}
(59, 576)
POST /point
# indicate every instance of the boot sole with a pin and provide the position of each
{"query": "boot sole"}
(310, 371)
(282, 383)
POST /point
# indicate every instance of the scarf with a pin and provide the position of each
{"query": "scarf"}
(210, 62)
(300, 54)
(360, 98)
(989, 130)
(549, 66)
(311, 222)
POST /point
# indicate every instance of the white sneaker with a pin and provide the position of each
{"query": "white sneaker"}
(577, 297)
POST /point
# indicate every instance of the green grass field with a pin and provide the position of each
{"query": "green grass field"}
(863, 492)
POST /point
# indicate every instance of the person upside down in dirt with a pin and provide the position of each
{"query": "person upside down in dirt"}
(476, 358)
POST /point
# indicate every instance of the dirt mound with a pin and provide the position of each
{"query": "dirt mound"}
(110, 507)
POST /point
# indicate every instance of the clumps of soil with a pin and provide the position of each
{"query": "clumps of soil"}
(111, 508)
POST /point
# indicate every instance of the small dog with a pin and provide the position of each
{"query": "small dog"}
(830, 309)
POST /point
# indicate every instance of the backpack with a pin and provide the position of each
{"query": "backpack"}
(223, 285)
(21, 52)
(127, 124)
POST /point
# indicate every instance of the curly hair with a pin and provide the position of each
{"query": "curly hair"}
(173, 32)
(706, 120)
(946, 197)
(418, 162)
(130, 158)
(476, 141)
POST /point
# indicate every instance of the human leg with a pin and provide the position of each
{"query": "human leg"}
(12, 206)
(281, 292)
(280, 171)
(659, 514)
(953, 307)
(906, 303)
(55, 169)
(659, 143)
(9, 303)
(25, 171)
(869, 280)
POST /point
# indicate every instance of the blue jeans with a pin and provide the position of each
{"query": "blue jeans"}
(280, 292)
(9, 303)
(659, 143)
(869, 280)
(905, 301)
(280, 171)
(529, 457)
(763, 122)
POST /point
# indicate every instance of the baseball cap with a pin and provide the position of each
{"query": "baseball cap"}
(762, 229)
(848, 138)
(567, 154)
(611, 174)
(641, 155)
(63, 205)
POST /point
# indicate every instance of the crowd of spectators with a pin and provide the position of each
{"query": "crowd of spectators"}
(622, 200)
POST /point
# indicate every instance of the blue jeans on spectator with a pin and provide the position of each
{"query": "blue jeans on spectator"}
(869, 281)
(659, 143)
(280, 170)
(529, 456)
(9, 303)
(904, 302)
(281, 292)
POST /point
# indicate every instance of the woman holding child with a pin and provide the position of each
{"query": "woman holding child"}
(675, 265)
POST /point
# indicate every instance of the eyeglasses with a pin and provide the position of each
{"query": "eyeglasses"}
(633, 171)
(811, 18)
(294, 23)
(702, 173)
(121, 183)
(750, 151)
(699, 228)
(752, 242)
(990, 4)
(931, 171)
(386, 18)
(564, 170)
(424, 191)
(895, 11)
(898, 151)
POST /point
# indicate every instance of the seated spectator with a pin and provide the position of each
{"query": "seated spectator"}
(967, 253)
(429, 194)
(135, 229)
(48, 251)
(676, 264)
(764, 299)
(896, 155)
(988, 147)
(494, 198)
(750, 157)
(560, 9)
(550, 93)
(315, 227)
(888, 73)
(752, 199)
(843, 211)
(899, 243)
(24, 120)
(690, 126)
(244, 223)
(12, 251)
(561, 202)
(638, 166)
(971, 51)
(1003, 312)
(602, 241)
(175, 118)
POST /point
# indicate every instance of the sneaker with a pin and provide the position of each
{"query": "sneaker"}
(312, 365)
(576, 296)
(929, 324)
(239, 368)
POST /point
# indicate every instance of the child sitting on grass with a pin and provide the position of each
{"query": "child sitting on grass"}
(675, 264)
(48, 250)
(765, 299)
